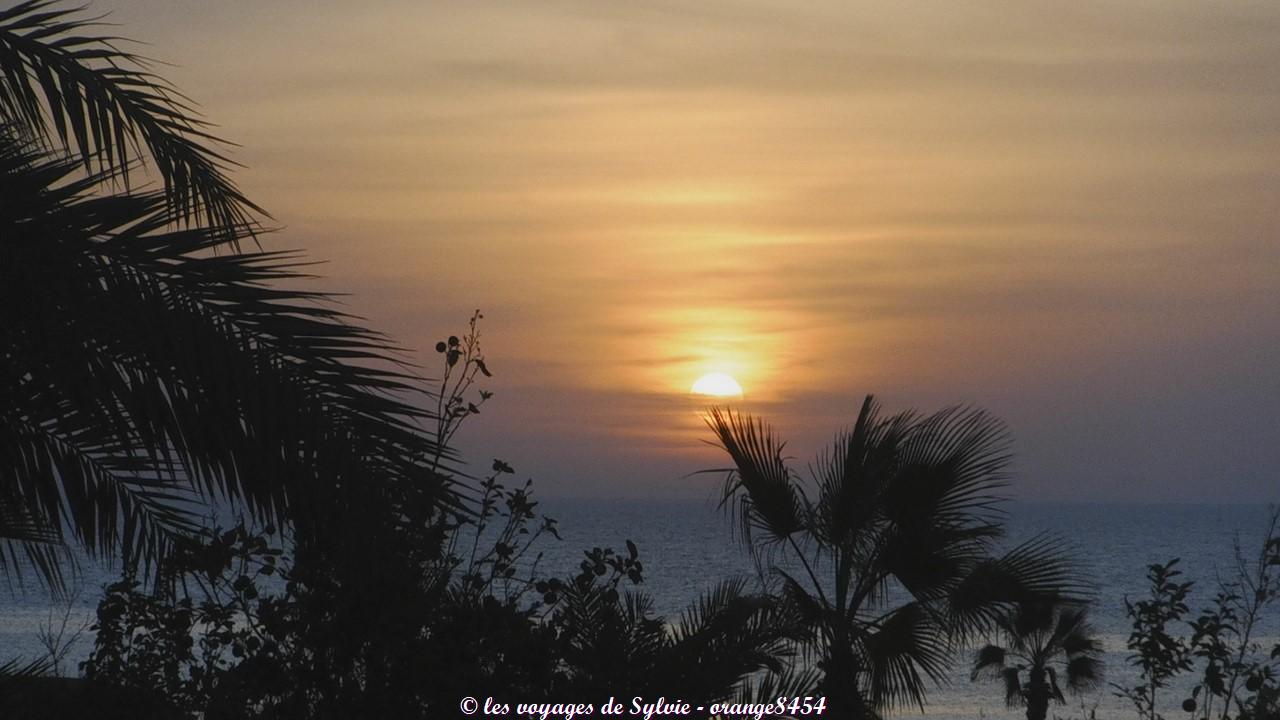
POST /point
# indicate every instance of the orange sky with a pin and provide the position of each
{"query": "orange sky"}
(1065, 214)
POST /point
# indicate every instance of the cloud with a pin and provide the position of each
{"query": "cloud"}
(1067, 211)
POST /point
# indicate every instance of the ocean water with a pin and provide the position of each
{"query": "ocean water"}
(687, 546)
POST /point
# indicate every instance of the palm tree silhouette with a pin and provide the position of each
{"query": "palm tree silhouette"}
(1036, 638)
(887, 553)
(614, 643)
(147, 364)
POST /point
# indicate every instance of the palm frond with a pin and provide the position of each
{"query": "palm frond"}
(611, 639)
(989, 660)
(110, 499)
(769, 505)
(1084, 672)
(1031, 620)
(954, 463)
(809, 606)
(1073, 632)
(727, 636)
(906, 648)
(792, 682)
(16, 669)
(852, 476)
(1013, 696)
(725, 604)
(1055, 692)
(929, 559)
(29, 541)
(20, 522)
(102, 105)
(1038, 571)
(141, 374)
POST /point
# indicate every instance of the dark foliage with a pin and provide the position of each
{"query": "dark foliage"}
(142, 375)
(888, 553)
(246, 650)
(1040, 644)
(425, 615)
(1238, 676)
(146, 370)
(65, 87)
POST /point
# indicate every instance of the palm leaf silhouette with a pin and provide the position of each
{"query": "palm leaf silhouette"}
(894, 562)
(143, 375)
(64, 86)
(1036, 637)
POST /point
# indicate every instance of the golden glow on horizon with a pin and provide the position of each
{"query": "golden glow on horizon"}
(717, 384)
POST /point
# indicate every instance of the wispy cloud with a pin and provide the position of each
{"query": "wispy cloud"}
(1067, 212)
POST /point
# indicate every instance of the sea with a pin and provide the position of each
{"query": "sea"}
(687, 546)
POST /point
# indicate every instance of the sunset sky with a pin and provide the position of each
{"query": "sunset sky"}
(1067, 213)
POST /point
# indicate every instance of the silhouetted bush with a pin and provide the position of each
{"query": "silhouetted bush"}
(400, 616)
(1237, 676)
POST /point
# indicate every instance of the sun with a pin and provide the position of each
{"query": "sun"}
(717, 384)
